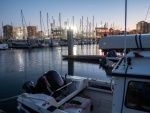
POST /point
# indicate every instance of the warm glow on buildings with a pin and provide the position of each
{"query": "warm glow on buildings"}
(19, 33)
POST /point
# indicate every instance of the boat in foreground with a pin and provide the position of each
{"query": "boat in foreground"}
(129, 93)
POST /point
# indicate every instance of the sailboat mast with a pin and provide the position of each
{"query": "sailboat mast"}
(73, 20)
(80, 26)
(82, 31)
(93, 28)
(48, 24)
(22, 24)
(87, 28)
(2, 30)
(60, 23)
(12, 30)
(41, 22)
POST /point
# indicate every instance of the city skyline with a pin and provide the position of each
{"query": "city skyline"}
(104, 11)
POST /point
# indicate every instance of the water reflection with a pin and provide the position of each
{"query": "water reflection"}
(21, 63)
(31, 64)
(74, 50)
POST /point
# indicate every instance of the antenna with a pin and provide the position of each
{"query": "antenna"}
(125, 33)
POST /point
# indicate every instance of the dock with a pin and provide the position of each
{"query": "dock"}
(87, 58)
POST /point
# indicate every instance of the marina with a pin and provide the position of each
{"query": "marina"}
(72, 94)
(75, 58)
(21, 65)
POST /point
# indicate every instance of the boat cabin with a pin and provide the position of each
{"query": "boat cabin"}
(131, 74)
(132, 84)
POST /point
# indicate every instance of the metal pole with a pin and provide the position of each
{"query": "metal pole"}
(70, 51)
(125, 33)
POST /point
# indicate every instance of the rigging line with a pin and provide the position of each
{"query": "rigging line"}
(24, 21)
(9, 98)
(147, 12)
(43, 23)
(49, 22)
(124, 88)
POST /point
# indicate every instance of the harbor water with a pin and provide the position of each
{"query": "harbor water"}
(20, 65)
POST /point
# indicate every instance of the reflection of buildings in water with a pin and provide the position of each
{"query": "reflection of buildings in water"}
(74, 50)
(21, 63)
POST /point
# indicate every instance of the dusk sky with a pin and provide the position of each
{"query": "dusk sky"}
(109, 11)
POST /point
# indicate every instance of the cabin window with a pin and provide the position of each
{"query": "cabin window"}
(138, 96)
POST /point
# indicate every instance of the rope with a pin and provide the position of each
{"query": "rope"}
(9, 98)
(136, 41)
(140, 41)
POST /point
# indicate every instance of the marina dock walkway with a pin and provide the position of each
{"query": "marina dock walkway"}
(90, 58)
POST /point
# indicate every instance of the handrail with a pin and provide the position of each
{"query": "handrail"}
(62, 87)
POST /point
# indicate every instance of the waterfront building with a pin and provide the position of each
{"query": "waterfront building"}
(143, 27)
(40, 34)
(117, 32)
(31, 31)
(101, 31)
(57, 33)
(19, 33)
(7, 31)
(134, 31)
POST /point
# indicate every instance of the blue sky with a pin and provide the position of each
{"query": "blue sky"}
(111, 11)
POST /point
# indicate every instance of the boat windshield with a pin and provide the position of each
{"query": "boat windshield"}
(138, 96)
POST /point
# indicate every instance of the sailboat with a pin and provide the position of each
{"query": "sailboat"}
(129, 93)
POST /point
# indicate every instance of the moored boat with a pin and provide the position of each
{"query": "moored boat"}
(3, 46)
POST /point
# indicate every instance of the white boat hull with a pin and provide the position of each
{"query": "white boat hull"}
(3, 46)
(93, 96)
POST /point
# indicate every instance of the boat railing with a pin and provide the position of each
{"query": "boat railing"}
(61, 88)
